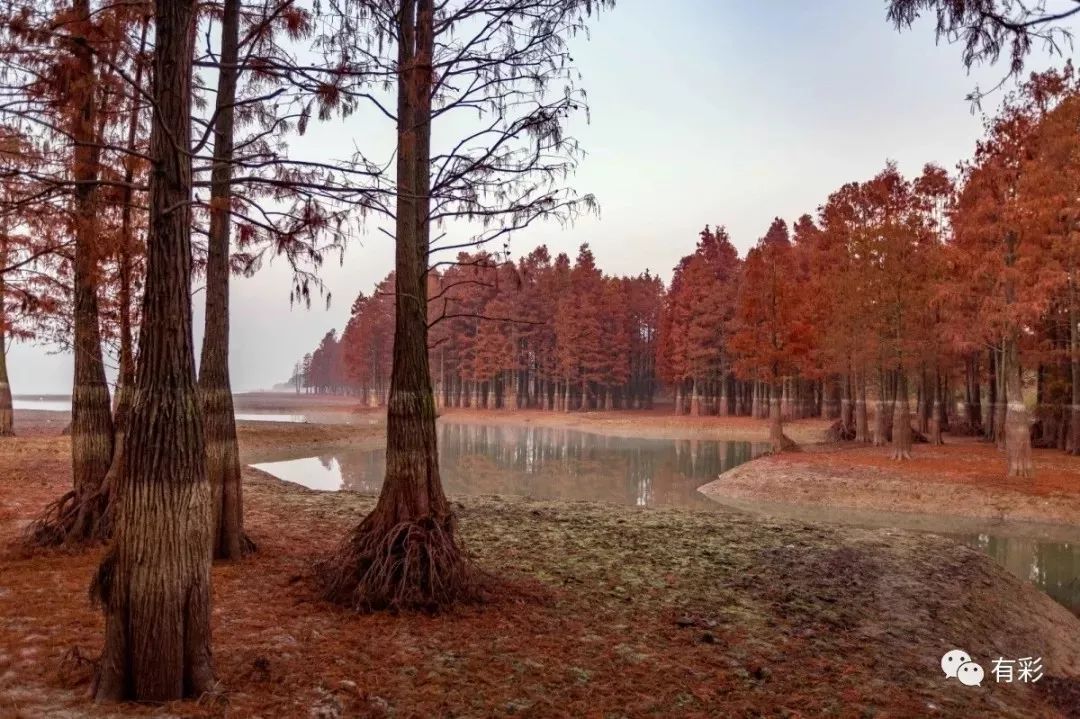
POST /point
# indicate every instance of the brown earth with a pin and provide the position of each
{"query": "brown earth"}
(963, 478)
(607, 611)
(658, 423)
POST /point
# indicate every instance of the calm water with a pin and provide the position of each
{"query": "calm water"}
(1053, 567)
(542, 462)
(564, 464)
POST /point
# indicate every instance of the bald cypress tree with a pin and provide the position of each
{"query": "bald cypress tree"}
(154, 583)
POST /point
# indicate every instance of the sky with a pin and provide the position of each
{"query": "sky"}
(704, 112)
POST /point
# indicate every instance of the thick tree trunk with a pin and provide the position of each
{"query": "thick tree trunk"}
(1017, 426)
(215, 388)
(404, 554)
(155, 581)
(777, 440)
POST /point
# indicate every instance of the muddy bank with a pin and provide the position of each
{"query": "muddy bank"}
(657, 424)
(962, 479)
(634, 613)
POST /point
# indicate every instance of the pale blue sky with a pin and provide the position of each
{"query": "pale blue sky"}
(704, 111)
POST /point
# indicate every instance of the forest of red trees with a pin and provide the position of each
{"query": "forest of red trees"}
(946, 301)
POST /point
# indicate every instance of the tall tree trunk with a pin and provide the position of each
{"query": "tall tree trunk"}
(695, 399)
(935, 409)
(777, 440)
(404, 554)
(215, 388)
(901, 431)
(881, 409)
(847, 407)
(125, 382)
(1017, 427)
(1074, 368)
(83, 514)
(155, 581)
(1001, 409)
(7, 413)
(993, 428)
(862, 424)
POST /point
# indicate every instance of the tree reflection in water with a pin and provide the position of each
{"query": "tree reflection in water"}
(1053, 567)
(555, 463)
(565, 464)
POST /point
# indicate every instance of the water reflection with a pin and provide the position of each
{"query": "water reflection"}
(1053, 567)
(543, 462)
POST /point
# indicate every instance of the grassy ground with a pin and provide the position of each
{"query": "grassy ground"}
(613, 612)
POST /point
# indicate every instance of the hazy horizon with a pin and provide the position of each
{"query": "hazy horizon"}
(774, 108)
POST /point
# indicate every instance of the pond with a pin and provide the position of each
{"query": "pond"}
(544, 463)
(1053, 567)
(565, 464)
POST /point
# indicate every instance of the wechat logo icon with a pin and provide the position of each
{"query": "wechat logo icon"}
(957, 665)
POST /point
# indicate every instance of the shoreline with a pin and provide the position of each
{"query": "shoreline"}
(962, 479)
(680, 612)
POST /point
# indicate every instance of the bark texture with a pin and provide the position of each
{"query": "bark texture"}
(404, 554)
(7, 415)
(82, 515)
(862, 425)
(154, 583)
(901, 432)
(215, 388)
(1017, 425)
(1074, 369)
(778, 441)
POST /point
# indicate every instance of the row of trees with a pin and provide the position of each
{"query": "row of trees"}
(542, 333)
(899, 302)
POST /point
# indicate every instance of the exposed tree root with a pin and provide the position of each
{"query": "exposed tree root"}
(838, 432)
(786, 444)
(412, 565)
(72, 520)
